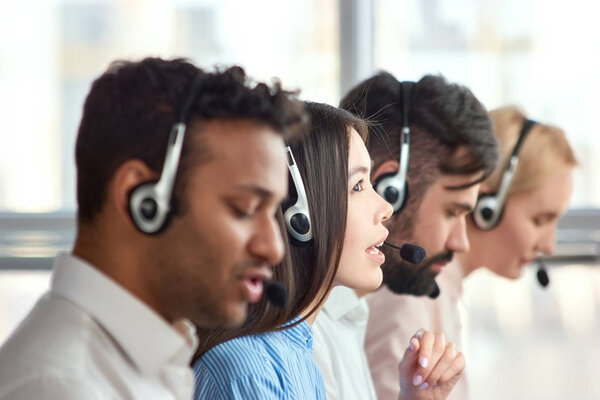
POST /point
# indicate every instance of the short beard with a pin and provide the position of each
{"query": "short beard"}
(402, 277)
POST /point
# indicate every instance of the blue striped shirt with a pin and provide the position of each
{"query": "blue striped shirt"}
(274, 365)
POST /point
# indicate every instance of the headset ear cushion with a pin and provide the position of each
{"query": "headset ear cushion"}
(390, 193)
(484, 215)
(145, 211)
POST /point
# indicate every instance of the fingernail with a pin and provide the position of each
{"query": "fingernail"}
(423, 362)
(417, 380)
(413, 343)
(419, 333)
(424, 386)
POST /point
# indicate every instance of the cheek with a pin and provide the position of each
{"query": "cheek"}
(517, 235)
(431, 232)
(352, 247)
(508, 246)
(355, 224)
(216, 238)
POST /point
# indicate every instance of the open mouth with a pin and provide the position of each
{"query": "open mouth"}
(253, 283)
(374, 250)
(376, 254)
(253, 288)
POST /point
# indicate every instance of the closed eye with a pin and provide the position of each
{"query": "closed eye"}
(242, 214)
(541, 220)
(451, 213)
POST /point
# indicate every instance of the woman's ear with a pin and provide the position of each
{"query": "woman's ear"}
(386, 167)
(130, 174)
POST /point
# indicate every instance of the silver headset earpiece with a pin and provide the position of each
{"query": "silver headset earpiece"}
(392, 186)
(297, 216)
(489, 208)
(150, 202)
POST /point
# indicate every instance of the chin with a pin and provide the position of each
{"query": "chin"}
(514, 274)
(234, 316)
(369, 285)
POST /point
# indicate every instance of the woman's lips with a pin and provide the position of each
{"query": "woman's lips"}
(375, 254)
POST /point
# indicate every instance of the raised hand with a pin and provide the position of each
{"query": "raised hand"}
(429, 368)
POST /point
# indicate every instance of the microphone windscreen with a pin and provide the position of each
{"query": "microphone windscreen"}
(435, 292)
(276, 294)
(412, 253)
(542, 277)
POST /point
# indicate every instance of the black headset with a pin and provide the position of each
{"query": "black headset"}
(151, 202)
(296, 215)
(393, 186)
(489, 208)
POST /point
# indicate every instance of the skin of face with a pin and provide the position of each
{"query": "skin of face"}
(527, 228)
(212, 260)
(360, 262)
(439, 227)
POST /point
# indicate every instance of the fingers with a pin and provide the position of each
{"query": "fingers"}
(409, 359)
(455, 370)
(430, 361)
(432, 349)
(443, 365)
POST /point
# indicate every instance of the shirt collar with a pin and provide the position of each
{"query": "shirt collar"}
(344, 303)
(149, 340)
(300, 334)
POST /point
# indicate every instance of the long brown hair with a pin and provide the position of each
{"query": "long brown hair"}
(307, 272)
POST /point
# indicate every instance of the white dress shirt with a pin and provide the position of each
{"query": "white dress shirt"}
(338, 343)
(89, 338)
(394, 319)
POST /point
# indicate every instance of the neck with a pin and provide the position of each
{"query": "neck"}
(313, 306)
(465, 264)
(89, 247)
(116, 257)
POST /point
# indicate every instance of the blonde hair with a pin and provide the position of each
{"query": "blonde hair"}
(544, 153)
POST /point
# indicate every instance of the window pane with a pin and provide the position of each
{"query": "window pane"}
(543, 56)
(48, 59)
(19, 291)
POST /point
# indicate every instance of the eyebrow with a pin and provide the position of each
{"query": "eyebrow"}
(357, 169)
(466, 207)
(255, 189)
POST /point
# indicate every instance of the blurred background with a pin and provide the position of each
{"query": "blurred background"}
(524, 342)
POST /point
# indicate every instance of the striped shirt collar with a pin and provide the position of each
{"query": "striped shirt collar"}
(301, 335)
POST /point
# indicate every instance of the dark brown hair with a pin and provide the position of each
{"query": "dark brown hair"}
(444, 118)
(307, 272)
(130, 110)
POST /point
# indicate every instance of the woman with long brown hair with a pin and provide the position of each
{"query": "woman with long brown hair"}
(271, 355)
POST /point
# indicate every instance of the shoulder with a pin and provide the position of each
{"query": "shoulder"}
(52, 386)
(244, 361)
(405, 307)
(56, 342)
(395, 318)
(239, 355)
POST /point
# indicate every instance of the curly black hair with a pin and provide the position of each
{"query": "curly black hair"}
(131, 107)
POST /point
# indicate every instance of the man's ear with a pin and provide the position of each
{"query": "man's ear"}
(129, 175)
(385, 168)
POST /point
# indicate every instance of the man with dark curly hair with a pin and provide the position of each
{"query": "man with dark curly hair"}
(180, 173)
